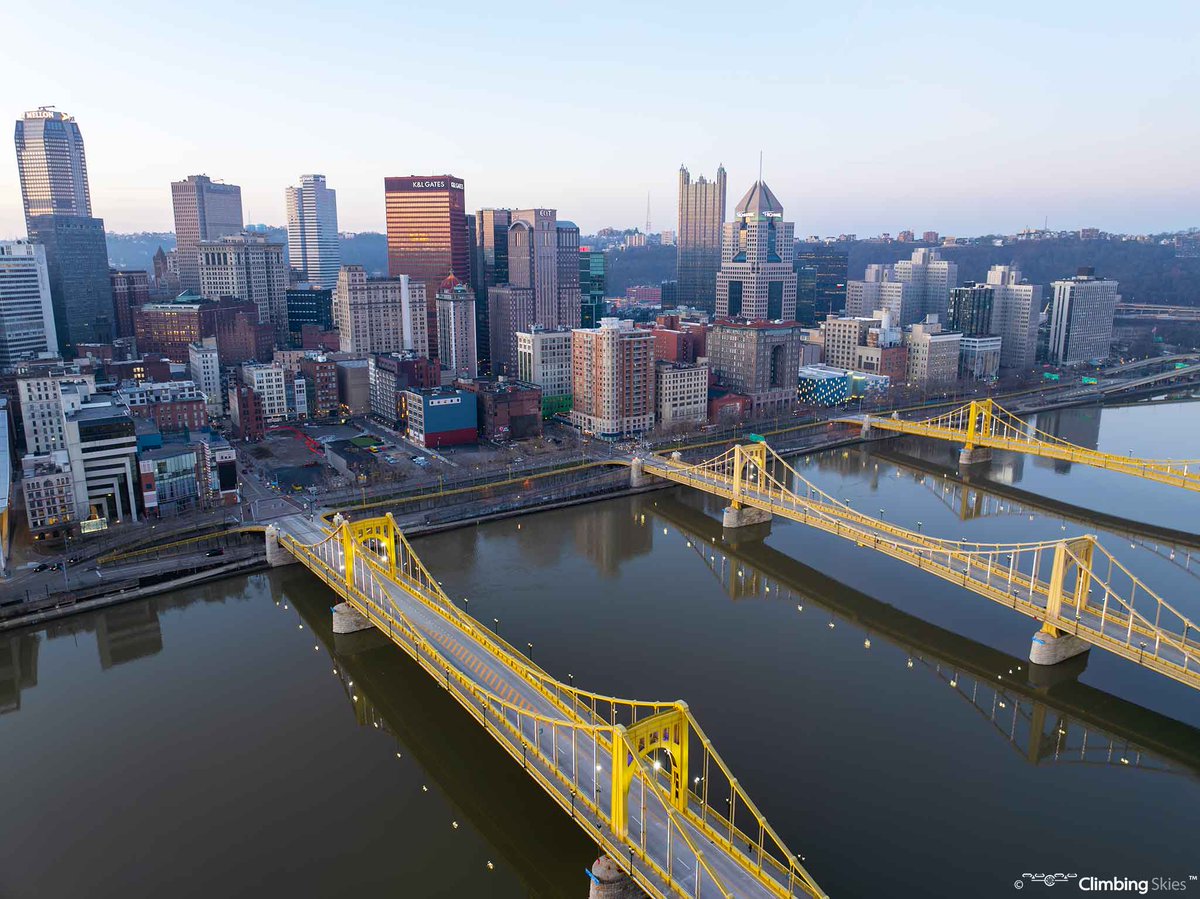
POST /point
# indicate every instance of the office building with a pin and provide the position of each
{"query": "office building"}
(51, 165)
(592, 287)
(1081, 318)
(489, 267)
(246, 413)
(544, 359)
(979, 357)
(681, 392)
(971, 309)
(512, 312)
(168, 481)
(871, 344)
(204, 210)
(204, 367)
(309, 306)
(168, 329)
(881, 289)
(457, 349)
(129, 290)
(1016, 312)
(41, 395)
(320, 382)
(217, 464)
(312, 228)
(698, 238)
(933, 354)
(543, 256)
(427, 234)
(756, 280)
(171, 405)
(758, 360)
(930, 278)
(441, 416)
(612, 379)
(101, 445)
(354, 387)
(271, 385)
(380, 315)
(26, 313)
(389, 375)
(249, 267)
(825, 276)
(77, 268)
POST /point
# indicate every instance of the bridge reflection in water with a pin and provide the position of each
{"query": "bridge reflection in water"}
(1047, 716)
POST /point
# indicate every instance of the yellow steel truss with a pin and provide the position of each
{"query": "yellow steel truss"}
(356, 558)
(1072, 586)
(986, 423)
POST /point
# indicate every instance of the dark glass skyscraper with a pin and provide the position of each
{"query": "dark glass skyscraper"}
(971, 309)
(829, 267)
(51, 165)
(80, 290)
(489, 268)
(591, 287)
(427, 234)
(308, 306)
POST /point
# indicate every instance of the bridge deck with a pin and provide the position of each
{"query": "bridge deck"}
(546, 740)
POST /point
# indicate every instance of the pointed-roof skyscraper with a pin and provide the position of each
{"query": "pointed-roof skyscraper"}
(756, 280)
(698, 240)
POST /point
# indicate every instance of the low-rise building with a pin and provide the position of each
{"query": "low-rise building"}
(320, 379)
(979, 358)
(389, 375)
(681, 391)
(270, 384)
(544, 359)
(49, 494)
(441, 416)
(204, 365)
(168, 478)
(932, 354)
(507, 409)
(245, 413)
(354, 386)
(172, 406)
(217, 464)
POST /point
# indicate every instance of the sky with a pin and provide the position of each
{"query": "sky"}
(965, 118)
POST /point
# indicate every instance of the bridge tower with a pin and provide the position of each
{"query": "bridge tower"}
(979, 423)
(668, 731)
(1052, 644)
(749, 467)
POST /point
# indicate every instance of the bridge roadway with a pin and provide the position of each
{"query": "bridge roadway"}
(582, 764)
(1009, 574)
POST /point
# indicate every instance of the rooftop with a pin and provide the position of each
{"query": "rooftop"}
(759, 202)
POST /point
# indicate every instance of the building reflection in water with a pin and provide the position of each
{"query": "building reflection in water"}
(605, 535)
(1044, 722)
(18, 667)
(128, 632)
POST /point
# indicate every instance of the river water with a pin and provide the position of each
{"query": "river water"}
(220, 741)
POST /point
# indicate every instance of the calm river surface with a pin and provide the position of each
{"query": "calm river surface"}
(220, 742)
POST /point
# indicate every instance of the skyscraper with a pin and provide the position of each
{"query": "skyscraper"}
(756, 280)
(427, 234)
(971, 309)
(51, 165)
(312, 226)
(249, 267)
(1016, 313)
(591, 287)
(26, 315)
(701, 217)
(489, 267)
(380, 315)
(612, 379)
(204, 210)
(830, 267)
(77, 263)
(1081, 318)
(456, 328)
(931, 278)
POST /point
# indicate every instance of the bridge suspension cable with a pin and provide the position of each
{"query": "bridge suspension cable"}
(984, 423)
(1073, 586)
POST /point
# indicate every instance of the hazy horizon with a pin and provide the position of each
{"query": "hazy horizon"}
(876, 120)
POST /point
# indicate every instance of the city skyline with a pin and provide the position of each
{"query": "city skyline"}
(1107, 150)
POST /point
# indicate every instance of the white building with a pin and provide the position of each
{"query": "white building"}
(1081, 318)
(249, 267)
(205, 368)
(681, 391)
(102, 448)
(882, 289)
(380, 315)
(932, 354)
(26, 316)
(270, 384)
(42, 406)
(1016, 311)
(612, 379)
(312, 227)
(544, 358)
(457, 349)
(979, 357)
(756, 280)
(930, 279)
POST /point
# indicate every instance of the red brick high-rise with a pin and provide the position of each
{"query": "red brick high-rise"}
(427, 234)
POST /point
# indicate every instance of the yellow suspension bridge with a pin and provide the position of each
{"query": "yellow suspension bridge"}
(984, 425)
(641, 778)
(1082, 595)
